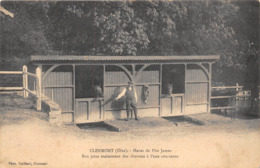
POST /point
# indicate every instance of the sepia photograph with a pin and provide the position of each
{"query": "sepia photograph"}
(130, 84)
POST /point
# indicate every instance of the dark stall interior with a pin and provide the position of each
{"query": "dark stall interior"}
(173, 79)
(89, 81)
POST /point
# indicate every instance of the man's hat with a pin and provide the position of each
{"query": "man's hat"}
(130, 83)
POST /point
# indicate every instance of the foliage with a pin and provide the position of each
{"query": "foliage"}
(131, 28)
(23, 35)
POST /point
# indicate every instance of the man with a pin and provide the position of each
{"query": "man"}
(130, 99)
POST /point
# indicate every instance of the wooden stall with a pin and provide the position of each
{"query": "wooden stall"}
(165, 85)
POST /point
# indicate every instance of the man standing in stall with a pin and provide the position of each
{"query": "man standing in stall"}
(130, 99)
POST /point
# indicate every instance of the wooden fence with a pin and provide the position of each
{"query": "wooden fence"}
(239, 94)
(36, 92)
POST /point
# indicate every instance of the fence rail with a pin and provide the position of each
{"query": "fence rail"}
(11, 72)
(244, 94)
(25, 74)
(220, 108)
(11, 88)
(227, 87)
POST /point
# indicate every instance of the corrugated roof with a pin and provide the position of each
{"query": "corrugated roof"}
(56, 58)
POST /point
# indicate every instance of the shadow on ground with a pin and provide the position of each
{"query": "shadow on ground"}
(95, 126)
(184, 120)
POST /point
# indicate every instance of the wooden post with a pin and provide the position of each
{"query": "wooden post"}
(209, 89)
(237, 90)
(160, 92)
(185, 86)
(25, 81)
(34, 87)
(104, 87)
(38, 88)
(74, 90)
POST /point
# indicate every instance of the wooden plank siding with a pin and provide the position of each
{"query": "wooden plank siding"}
(196, 90)
(59, 87)
(196, 93)
(116, 77)
(88, 110)
(172, 105)
(62, 96)
(148, 77)
(167, 106)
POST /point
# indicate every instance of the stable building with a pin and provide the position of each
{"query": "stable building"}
(165, 85)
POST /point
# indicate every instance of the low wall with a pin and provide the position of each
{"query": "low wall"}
(53, 109)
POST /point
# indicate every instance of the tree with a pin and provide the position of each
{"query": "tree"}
(132, 28)
(22, 35)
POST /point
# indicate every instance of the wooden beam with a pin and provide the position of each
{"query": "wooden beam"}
(140, 70)
(119, 63)
(219, 108)
(48, 71)
(30, 74)
(191, 104)
(6, 12)
(59, 86)
(139, 107)
(11, 72)
(137, 84)
(11, 88)
(31, 92)
(226, 97)
(204, 69)
(126, 71)
(227, 87)
(197, 82)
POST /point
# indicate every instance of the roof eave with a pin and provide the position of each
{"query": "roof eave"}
(109, 59)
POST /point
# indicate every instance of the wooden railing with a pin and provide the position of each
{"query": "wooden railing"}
(238, 95)
(36, 93)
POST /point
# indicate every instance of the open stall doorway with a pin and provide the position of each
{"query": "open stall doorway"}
(173, 79)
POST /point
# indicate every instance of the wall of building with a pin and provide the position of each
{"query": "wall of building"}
(58, 86)
(196, 90)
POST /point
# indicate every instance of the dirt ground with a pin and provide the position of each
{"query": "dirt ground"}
(28, 140)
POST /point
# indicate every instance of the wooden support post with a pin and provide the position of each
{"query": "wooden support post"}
(185, 87)
(104, 87)
(38, 88)
(133, 69)
(160, 93)
(209, 85)
(74, 90)
(25, 81)
(34, 85)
